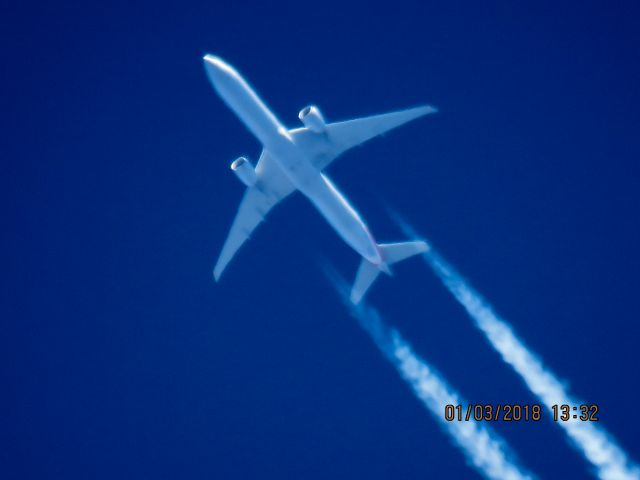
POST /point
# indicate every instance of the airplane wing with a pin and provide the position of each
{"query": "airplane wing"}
(338, 137)
(272, 187)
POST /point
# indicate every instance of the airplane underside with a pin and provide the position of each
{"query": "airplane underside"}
(294, 160)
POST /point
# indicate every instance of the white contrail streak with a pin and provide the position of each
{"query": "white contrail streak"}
(597, 446)
(482, 447)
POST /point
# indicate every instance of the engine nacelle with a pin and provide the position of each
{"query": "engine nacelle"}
(312, 119)
(244, 171)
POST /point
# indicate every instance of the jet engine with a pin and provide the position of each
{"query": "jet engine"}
(312, 119)
(244, 171)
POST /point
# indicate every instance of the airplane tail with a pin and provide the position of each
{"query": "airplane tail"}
(391, 253)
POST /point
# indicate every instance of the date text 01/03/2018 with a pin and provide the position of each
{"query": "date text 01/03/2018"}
(517, 413)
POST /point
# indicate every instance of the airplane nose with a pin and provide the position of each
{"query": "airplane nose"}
(219, 72)
(213, 61)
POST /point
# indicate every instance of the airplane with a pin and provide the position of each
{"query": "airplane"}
(294, 160)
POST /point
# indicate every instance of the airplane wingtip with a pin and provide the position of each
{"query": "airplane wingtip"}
(422, 110)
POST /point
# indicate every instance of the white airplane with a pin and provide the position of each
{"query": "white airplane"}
(294, 160)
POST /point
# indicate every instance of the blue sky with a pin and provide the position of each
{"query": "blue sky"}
(121, 356)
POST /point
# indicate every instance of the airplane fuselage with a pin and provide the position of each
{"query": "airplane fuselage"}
(312, 183)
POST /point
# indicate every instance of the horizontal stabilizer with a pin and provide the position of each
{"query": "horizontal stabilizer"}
(391, 253)
(367, 274)
(396, 252)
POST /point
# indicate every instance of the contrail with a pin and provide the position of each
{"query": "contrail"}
(482, 447)
(597, 446)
